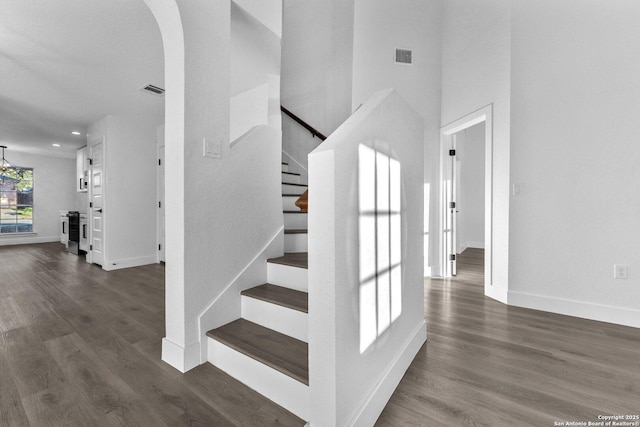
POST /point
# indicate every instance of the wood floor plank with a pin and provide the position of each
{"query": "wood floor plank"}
(11, 410)
(489, 364)
(30, 363)
(11, 316)
(229, 394)
(106, 393)
(66, 325)
(80, 346)
(168, 397)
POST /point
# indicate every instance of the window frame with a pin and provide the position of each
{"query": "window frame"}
(16, 206)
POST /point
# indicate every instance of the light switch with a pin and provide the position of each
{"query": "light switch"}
(211, 148)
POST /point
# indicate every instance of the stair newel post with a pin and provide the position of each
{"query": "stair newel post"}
(303, 201)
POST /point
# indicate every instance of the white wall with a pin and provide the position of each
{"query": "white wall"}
(470, 145)
(245, 227)
(350, 385)
(476, 72)
(255, 51)
(317, 62)
(210, 201)
(379, 28)
(54, 190)
(130, 199)
(255, 66)
(268, 12)
(575, 154)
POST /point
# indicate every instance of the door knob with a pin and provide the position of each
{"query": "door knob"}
(99, 210)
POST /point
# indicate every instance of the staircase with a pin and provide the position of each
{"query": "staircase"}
(266, 348)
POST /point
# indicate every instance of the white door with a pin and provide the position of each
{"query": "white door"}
(450, 216)
(161, 239)
(97, 204)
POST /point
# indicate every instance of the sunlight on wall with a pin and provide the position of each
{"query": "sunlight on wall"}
(380, 243)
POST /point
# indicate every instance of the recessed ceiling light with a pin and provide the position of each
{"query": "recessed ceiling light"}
(56, 145)
(75, 132)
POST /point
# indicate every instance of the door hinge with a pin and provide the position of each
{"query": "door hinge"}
(159, 162)
(452, 257)
(159, 204)
(90, 204)
(452, 152)
(90, 161)
(452, 205)
(159, 247)
(90, 247)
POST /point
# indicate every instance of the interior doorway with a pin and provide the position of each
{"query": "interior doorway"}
(466, 191)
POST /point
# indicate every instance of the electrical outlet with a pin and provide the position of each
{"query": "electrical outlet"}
(620, 271)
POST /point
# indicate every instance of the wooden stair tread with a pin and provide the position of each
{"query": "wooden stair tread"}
(281, 352)
(291, 173)
(295, 212)
(298, 185)
(293, 259)
(285, 297)
(296, 231)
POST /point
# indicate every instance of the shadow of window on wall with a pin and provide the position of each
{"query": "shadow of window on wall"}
(380, 243)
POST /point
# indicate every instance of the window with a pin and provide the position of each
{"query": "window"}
(16, 200)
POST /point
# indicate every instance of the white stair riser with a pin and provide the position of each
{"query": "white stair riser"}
(287, 276)
(281, 319)
(280, 388)
(285, 168)
(289, 203)
(295, 242)
(295, 221)
(292, 179)
(293, 189)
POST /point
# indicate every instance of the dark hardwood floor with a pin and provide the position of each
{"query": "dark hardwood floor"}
(81, 347)
(487, 364)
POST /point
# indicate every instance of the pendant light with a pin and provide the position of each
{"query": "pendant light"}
(5, 164)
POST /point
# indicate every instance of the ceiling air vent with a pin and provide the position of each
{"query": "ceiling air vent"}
(404, 56)
(154, 90)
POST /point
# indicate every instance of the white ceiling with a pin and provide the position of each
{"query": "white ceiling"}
(64, 64)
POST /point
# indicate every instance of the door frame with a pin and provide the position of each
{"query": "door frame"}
(92, 142)
(484, 114)
(160, 174)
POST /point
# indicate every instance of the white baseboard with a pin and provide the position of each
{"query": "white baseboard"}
(129, 262)
(496, 293)
(585, 310)
(181, 358)
(477, 245)
(373, 405)
(26, 239)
